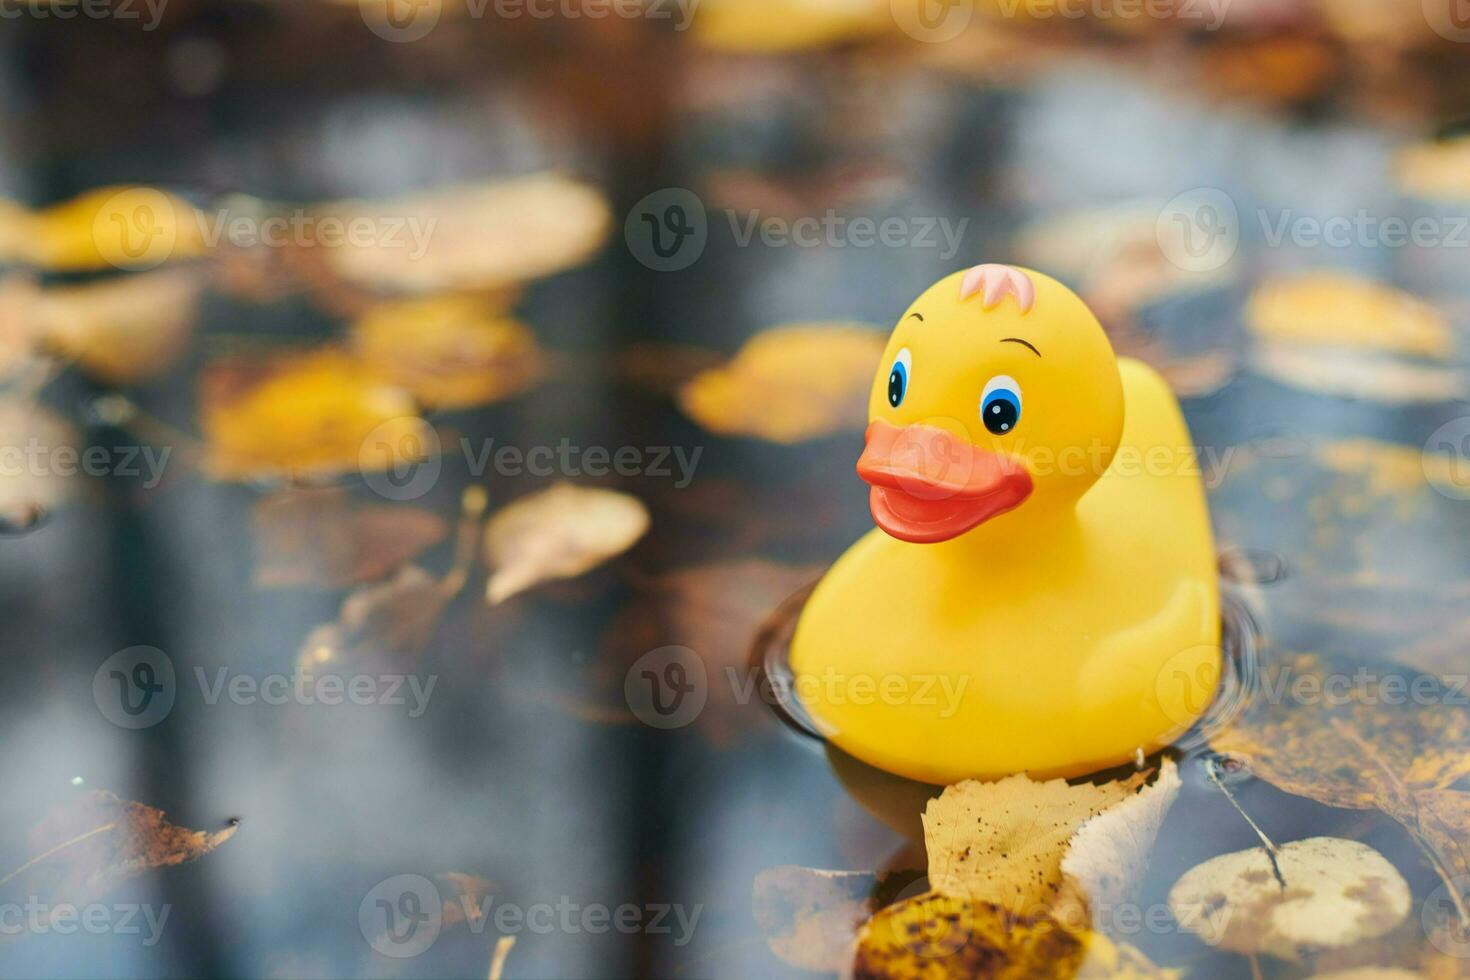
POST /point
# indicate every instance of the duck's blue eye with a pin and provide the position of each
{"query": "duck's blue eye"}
(898, 377)
(1000, 405)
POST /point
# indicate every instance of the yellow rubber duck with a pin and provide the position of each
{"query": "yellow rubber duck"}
(1040, 593)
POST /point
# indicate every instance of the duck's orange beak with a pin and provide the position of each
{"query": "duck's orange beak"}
(928, 485)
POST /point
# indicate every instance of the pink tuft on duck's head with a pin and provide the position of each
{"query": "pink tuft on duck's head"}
(995, 282)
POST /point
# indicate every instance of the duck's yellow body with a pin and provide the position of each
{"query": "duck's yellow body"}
(1041, 595)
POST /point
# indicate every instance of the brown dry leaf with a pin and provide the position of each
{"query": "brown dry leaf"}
(1106, 858)
(127, 329)
(811, 917)
(1360, 742)
(449, 351)
(465, 901)
(318, 538)
(939, 937)
(29, 491)
(477, 236)
(124, 227)
(558, 533)
(1353, 374)
(1330, 893)
(316, 415)
(1436, 171)
(90, 846)
(1335, 309)
(790, 384)
(1003, 842)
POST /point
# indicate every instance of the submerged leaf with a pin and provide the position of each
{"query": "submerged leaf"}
(790, 384)
(1003, 842)
(87, 848)
(449, 351)
(123, 330)
(558, 533)
(477, 236)
(319, 414)
(1319, 893)
(1335, 309)
(318, 538)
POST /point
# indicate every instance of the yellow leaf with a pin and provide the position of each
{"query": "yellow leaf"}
(787, 25)
(476, 236)
(1437, 171)
(119, 227)
(1106, 858)
(449, 351)
(1003, 842)
(1340, 310)
(790, 384)
(127, 329)
(1321, 893)
(558, 533)
(939, 937)
(316, 415)
(1345, 373)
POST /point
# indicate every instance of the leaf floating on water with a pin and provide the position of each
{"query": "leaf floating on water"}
(1436, 171)
(1107, 857)
(449, 351)
(29, 492)
(20, 328)
(811, 917)
(940, 937)
(1003, 842)
(790, 384)
(1337, 892)
(1359, 376)
(115, 227)
(1333, 309)
(123, 330)
(558, 533)
(319, 538)
(316, 415)
(473, 237)
(89, 847)
(787, 25)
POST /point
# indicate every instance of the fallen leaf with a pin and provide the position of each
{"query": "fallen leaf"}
(1003, 842)
(127, 329)
(1352, 374)
(790, 384)
(472, 237)
(125, 227)
(1333, 309)
(318, 538)
(316, 415)
(449, 351)
(90, 846)
(811, 917)
(558, 533)
(941, 937)
(1435, 171)
(787, 25)
(1320, 893)
(30, 487)
(1107, 857)
(20, 328)
(1339, 733)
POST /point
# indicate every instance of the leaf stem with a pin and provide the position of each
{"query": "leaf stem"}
(1214, 774)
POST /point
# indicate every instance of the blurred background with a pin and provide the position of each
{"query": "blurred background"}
(471, 353)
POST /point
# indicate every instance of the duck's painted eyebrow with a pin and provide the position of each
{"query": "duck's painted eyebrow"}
(917, 316)
(1018, 340)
